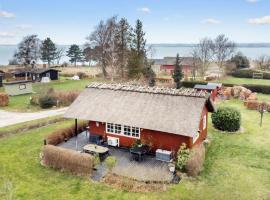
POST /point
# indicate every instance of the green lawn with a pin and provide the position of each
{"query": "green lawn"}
(21, 102)
(239, 81)
(237, 167)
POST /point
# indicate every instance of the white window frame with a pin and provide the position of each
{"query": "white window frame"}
(123, 130)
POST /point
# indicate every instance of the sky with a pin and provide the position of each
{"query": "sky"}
(165, 21)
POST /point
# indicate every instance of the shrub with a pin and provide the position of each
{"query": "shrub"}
(47, 101)
(60, 135)
(82, 75)
(195, 162)
(4, 100)
(248, 73)
(182, 157)
(68, 160)
(226, 119)
(110, 162)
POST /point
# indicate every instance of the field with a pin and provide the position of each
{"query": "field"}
(237, 167)
(21, 103)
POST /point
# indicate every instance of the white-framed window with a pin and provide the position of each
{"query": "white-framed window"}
(124, 130)
(22, 86)
(204, 122)
(110, 128)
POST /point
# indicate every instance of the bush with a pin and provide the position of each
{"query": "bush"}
(47, 101)
(248, 73)
(82, 75)
(110, 162)
(68, 160)
(182, 157)
(4, 100)
(226, 119)
(195, 162)
(60, 135)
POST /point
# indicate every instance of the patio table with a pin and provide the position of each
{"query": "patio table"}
(93, 148)
(139, 151)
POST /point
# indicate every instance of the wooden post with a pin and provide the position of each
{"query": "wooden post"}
(76, 127)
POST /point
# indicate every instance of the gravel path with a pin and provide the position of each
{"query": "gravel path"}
(10, 118)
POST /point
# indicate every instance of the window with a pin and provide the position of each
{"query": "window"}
(110, 127)
(204, 122)
(127, 130)
(124, 130)
(22, 86)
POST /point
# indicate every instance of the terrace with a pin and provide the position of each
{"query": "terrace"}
(148, 170)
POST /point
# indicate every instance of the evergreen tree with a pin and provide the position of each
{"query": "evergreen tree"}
(177, 74)
(48, 51)
(138, 52)
(123, 38)
(149, 73)
(240, 61)
(75, 54)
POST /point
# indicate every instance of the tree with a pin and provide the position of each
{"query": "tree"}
(28, 50)
(223, 49)
(99, 40)
(48, 51)
(75, 54)
(88, 54)
(240, 61)
(60, 52)
(195, 64)
(138, 52)
(263, 62)
(177, 73)
(149, 73)
(123, 38)
(204, 52)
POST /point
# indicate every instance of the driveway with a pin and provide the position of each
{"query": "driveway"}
(9, 118)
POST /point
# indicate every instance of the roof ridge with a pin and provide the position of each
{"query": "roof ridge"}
(188, 92)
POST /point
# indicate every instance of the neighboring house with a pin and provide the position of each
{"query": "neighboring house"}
(167, 64)
(18, 87)
(211, 88)
(162, 117)
(36, 74)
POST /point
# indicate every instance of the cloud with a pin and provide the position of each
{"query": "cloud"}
(23, 26)
(261, 20)
(144, 10)
(211, 21)
(7, 34)
(6, 14)
(252, 1)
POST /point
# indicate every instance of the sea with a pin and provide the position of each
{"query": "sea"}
(252, 51)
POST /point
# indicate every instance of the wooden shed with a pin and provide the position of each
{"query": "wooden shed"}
(18, 87)
(163, 117)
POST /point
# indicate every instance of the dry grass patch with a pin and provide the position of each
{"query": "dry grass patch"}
(68, 160)
(71, 71)
(131, 185)
(196, 159)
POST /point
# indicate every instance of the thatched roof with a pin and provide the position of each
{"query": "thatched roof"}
(161, 109)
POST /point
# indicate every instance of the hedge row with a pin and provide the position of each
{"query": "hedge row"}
(265, 89)
(248, 73)
(68, 160)
(63, 134)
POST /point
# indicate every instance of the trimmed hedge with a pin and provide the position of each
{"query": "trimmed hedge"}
(265, 89)
(248, 73)
(68, 160)
(226, 119)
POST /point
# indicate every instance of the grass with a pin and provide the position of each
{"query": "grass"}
(21, 103)
(239, 81)
(237, 166)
